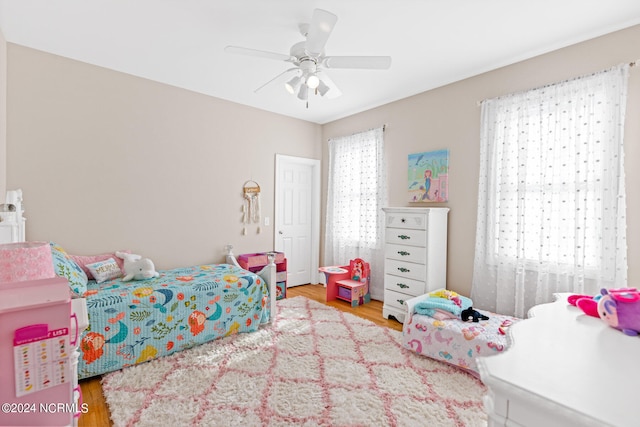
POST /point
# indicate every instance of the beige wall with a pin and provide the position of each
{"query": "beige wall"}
(449, 117)
(109, 161)
(3, 117)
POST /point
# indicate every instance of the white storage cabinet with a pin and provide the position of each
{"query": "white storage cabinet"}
(415, 256)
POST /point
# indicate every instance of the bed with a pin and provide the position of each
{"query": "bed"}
(453, 341)
(137, 321)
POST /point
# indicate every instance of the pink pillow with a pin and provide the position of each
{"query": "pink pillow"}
(84, 260)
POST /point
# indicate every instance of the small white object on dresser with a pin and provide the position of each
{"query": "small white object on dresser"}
(415, 256)
(563, 368)
(11, 218)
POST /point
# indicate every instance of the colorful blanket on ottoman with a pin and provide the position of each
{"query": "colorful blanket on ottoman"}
(454, 341)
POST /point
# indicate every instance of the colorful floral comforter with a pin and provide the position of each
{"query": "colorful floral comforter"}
(133, 322)
(454, 341)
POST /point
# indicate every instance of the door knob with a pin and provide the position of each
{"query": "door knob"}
(280, 232)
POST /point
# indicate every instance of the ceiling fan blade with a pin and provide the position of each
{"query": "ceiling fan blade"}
(259, 53)
(276, 78)
(320, 29)
(333, 90)
(363, 62)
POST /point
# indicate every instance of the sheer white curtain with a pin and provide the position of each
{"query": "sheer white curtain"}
(551, 202)
(356, 194)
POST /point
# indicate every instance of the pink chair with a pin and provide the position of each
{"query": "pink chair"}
(355, 287)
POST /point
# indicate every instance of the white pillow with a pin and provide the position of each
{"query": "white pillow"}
(104, 270)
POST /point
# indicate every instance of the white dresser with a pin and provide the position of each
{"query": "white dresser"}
(563, 368)
(415, 255)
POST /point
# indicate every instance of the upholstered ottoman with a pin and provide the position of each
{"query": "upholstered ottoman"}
(453, 341)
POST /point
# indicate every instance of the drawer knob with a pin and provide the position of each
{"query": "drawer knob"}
(403, 237)
(402, 285)
(403, 253)
(401, 301)
(404, 270)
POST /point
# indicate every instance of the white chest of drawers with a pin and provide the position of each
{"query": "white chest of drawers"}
(563, 369)
(415, 255)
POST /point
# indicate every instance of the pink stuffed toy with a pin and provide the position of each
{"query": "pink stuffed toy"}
(620, 309)
(586, 303)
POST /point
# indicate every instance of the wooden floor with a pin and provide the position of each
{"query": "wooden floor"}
(98, 414)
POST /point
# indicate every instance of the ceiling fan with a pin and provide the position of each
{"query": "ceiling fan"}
(310, 62)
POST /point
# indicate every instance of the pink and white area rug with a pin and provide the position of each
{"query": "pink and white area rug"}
(314, 366)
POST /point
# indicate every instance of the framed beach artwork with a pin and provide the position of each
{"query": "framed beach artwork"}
(429, 176)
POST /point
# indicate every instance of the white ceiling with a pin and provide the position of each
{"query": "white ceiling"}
(432, 42)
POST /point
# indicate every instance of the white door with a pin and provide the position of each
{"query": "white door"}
(297, 217)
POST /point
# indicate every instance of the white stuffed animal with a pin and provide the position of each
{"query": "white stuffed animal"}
(136, 267)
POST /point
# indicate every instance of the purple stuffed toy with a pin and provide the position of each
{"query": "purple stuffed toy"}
(620, 309)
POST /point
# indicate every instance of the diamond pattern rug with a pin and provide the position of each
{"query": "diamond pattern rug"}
(314, 366)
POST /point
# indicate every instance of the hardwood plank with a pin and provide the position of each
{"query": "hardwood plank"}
(98, 414)
(98, 411)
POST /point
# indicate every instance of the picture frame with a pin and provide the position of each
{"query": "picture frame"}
(428, 176)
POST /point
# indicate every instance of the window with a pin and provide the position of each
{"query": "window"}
(354, 187)
(356, 194)
(551, 207)
(548, 172)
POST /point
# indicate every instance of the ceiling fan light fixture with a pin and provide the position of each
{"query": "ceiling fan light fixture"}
(303, 93)
(310, 62)
(322, 88)
(312, 81)
(293, 84)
